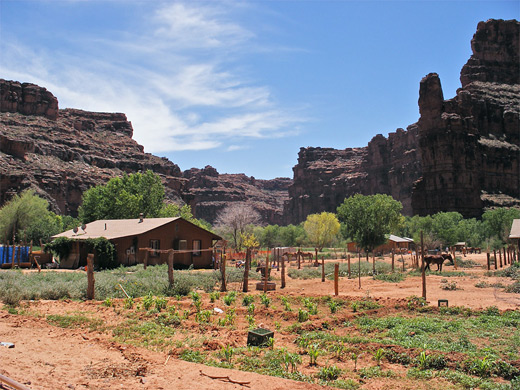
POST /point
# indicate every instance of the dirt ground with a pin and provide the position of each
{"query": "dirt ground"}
(49, 357)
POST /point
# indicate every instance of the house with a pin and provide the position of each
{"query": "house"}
(515, 231)
(393, 243)
(194, 244)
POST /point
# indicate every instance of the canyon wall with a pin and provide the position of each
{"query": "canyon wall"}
(62, 153)
(462, 155)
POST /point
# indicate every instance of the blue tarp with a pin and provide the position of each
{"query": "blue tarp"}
(6, 254)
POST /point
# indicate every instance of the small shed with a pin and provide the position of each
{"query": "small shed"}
(128, 235)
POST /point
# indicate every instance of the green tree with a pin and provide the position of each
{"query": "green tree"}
(27, 217)
(171, 210)
(497, 223)
(368, 219)
(292, 235)
(124, 197)
(445, 227)
(321, 230)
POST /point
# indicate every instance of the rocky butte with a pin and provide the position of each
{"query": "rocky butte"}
(462, 155)
(62, 153)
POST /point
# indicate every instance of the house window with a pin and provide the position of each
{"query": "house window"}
(197, 244)
(155, 244)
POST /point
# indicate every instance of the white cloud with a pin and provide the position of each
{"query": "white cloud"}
(196, 103)
(189, 26)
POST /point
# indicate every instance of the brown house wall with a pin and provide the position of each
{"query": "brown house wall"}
(167, 235)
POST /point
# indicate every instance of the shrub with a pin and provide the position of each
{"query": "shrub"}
(329, 373)
(303, 315)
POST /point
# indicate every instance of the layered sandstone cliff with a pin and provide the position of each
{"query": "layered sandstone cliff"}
(323, 178)
(209, 192)
(470, 144)
(462, 155)
(62, 153)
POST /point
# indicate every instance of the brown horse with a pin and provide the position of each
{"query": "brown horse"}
(437, 259)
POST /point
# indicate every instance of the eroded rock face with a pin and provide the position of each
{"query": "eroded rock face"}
(28, 99)
(462, 155)
(208, 193)
(324, 177)
(470, 144)
(62, 153)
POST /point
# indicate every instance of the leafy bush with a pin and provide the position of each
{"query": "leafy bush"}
(105, 251)
(392, 278)
(329, 373)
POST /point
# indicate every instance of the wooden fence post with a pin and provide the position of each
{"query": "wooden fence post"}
(454, 259)
(393, 254)
(245, 287)
(170, 267)
(145, 261)
(373, 263)
(90, 276)
(488, 261)
(298, 258)
(283, 270)
(359, 269)
(423, 272)
(348, 265)
(505, 259)
(336, 277)
(495, 256)
(223, 272)
(266, 273)
(322, 268)
(500, 256)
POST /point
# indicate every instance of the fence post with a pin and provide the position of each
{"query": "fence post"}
(170, 267)
(359, 269)
(336, 277)
(266, 273)
(423, 272)
(90, 276)
(495, 255)
(245, 288)
(454, 259)
(505, 259)
(348, 265)
(283, 270)
(488, 261)
(322, 268)
(145, 261)
(500, 256)
(223, 272)
(393, 254)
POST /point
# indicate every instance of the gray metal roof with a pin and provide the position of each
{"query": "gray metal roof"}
(515, 229)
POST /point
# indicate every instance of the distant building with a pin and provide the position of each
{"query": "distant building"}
(515, 231)
(393, 243)
(129, 235)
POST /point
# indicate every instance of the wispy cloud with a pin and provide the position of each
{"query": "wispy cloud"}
(177, 98)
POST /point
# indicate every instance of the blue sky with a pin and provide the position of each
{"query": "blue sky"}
(242, 85)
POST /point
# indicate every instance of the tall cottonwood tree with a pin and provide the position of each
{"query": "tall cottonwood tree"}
(368, 219)
(321, 230)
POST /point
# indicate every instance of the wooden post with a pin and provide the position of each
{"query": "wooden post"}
(283, 270)
(423, 273)
(495, 255)
(223, 272)
(90, 276)
(298, 258)
(245, 287)
(402, 258)
(322, 268)
(359, 269)
(454, 260)
(336, 277)
(14, 253)
(505, 260)
(145, 261)
(373, 263)
(266, 273)
(488, 261)
(170, 267)
(393, 254)
(348, 265)
(500, 256)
